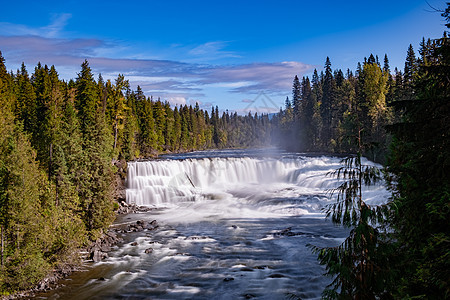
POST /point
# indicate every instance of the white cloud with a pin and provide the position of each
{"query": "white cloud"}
(58, 24)
(177, 100)
(50, 31)
(212, 50)
(257, 109)
(177, 82)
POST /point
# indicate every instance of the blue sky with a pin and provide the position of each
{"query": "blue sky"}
(224, 53)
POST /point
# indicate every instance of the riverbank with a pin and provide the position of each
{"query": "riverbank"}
(96, 251)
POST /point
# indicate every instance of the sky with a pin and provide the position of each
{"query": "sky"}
(238, 55)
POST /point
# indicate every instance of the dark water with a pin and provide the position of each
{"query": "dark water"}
(230, 237)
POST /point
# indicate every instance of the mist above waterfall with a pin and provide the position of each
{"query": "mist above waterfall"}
(233, 224)
(266, 182)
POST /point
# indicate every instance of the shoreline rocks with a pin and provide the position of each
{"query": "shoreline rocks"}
(95, 252)
(125, 208)
(99, 249)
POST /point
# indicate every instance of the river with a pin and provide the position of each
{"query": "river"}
(233, 224)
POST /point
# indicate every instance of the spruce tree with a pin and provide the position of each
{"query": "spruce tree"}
(287, 103)
(420, 167)
(359, 266)
(176, 139)
(296, 97)
(159, 115)
(327, 107)
(86, 97)
(409, 73)
(26, 109)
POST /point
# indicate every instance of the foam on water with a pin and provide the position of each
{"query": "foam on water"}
(229, 228)
(229, 187)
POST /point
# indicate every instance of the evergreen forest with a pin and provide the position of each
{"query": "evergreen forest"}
(60, 141)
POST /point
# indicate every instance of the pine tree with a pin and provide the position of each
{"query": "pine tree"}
(296, 97)
(305, 116)
(176, 139)
(86, 96)
(130, 147)
(26, 109)
(372, 101)
(410, 73)
(327, 107)
(96, 177)
(147, 134)
(420, 167)
(117, 109)
(159, 114)
(359, 266)
(169, 127)
(287, 103)
(21, 191)
(386, 67)
(317, 122)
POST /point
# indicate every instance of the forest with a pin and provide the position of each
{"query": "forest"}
(399, 250)
(58, 144)
(59, 141)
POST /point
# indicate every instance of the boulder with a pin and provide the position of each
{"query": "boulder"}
(97, 256)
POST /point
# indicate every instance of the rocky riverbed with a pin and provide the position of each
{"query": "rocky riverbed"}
(99, 249)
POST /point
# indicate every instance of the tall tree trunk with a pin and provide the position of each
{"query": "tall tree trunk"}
(3, 246)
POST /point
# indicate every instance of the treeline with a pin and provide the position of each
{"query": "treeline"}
(58, 144)
(329, 111)
(161, 128)
(399, 250)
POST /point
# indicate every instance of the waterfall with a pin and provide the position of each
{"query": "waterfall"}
(159, 182)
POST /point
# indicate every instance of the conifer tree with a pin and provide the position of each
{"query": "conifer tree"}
(86, 97)
(287, 103)
(159, 115)
(296, 97)
(386, 67)
(327, 106)
(316, 100)
(359, 266)
(130, 147)
(96, 176)
(420, 167)
(117, 108)
(26, 109)
(176, 139)
(410, 73)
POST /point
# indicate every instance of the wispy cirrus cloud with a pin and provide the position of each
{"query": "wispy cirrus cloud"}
(271, 77)
(212, 50)
(65, 51)
(179, 82)
(59, 21)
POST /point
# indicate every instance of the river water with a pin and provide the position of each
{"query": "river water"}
(233, 224)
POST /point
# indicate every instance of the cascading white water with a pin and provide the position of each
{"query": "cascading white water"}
(232, 225)
(170, 181)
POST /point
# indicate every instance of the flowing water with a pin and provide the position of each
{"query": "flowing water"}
(232, 225)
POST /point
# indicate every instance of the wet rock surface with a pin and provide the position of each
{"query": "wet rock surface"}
(125, 208)
(99, 249)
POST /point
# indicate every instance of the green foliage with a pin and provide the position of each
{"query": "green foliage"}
(360, 266)
(419, 163)
(330, 105)
(57, 144)
(399, 250)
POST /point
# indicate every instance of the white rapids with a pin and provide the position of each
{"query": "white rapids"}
(232, 225)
